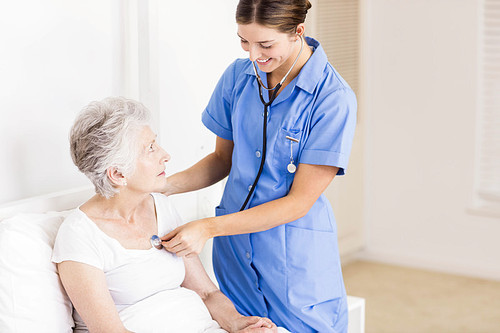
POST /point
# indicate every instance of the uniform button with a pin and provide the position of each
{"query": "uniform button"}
(248, 255)
(249, 188)
(257, 153)
(257, 284)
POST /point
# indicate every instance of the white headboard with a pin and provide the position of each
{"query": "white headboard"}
(56, 201)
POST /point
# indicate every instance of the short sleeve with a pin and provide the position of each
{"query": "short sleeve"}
(168, 217)
(217, 115)
(332, 130)
(74, 242)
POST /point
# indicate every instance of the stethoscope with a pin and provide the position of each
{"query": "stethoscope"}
(291, 167)
(155, 240)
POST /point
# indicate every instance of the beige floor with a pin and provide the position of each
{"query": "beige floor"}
(409, 300)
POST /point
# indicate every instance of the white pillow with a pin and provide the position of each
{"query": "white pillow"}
(32, 298)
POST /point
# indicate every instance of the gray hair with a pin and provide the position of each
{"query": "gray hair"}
(104, 135)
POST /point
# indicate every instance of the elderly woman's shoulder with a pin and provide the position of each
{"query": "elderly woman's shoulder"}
(75, 216)
(76, 225)
(162, 201)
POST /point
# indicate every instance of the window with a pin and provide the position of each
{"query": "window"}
(487, 173)
(336, 25)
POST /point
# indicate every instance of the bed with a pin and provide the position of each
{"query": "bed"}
(32, 298)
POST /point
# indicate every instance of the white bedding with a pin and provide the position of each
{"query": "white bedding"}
(177, 310)
(31, 296)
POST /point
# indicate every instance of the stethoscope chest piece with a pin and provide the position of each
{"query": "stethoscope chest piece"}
(156, 242)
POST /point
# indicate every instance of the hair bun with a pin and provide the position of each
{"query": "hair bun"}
(282, 15)
(308, 5)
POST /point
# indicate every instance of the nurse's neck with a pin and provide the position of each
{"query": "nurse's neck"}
(277, 75)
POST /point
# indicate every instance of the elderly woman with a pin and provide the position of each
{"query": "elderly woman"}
(116, 280)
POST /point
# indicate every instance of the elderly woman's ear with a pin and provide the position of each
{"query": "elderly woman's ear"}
(116, 177)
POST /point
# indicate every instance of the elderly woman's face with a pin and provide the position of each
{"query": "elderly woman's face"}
(149, 175)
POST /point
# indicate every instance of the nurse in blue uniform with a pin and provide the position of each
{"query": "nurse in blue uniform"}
(278, 257)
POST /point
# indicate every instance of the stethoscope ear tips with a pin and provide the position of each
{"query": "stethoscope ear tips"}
(156, 242)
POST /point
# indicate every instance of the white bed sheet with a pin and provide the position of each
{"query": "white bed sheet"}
(32, 298)
(177, 310)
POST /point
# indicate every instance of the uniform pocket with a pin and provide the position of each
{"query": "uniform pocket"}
(219, 211)
(314, 273)
(283, 151)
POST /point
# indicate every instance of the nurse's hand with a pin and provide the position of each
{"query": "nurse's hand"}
(253, 325)
(188, 239)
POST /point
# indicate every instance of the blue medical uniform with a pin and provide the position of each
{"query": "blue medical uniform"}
(290, 273)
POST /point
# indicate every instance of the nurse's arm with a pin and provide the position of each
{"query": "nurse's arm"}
(208, 171)
(309, 182)
(220, 307)
(87, 289)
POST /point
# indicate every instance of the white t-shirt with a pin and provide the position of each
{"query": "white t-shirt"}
(134, 276)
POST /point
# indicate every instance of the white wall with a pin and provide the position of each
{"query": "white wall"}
(56, 57)
(59, 55)
(420, 117)
(194, 50)
(417, 126)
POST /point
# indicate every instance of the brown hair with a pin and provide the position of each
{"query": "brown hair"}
(282, 15)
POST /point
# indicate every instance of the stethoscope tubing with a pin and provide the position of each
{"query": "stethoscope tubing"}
(264, 127)
(264, 140)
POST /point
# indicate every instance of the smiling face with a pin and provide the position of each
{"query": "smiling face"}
(149, 174)
(269, 48)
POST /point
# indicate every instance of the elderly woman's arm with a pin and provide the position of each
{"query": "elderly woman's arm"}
(86, 287)
(220, 307)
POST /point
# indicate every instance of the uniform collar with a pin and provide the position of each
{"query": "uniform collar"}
(312, 71)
